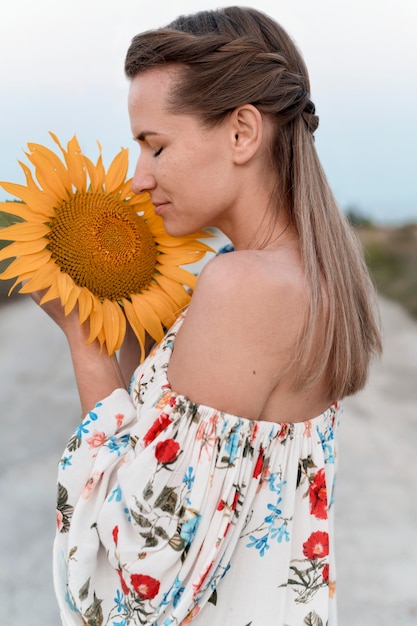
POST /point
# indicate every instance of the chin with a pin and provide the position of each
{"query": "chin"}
(179, 230)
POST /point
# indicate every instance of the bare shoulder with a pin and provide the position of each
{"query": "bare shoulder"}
(240, 330)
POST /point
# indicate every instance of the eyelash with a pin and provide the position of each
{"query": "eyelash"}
(158, 152)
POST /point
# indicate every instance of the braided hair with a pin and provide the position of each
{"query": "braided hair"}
(235, 56)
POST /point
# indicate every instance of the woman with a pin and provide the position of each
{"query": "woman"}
(205, 494)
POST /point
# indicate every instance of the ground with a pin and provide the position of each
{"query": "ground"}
(376, 500)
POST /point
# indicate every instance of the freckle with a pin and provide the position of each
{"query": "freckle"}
(253, 372)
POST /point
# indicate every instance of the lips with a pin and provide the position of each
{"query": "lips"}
(159, 206)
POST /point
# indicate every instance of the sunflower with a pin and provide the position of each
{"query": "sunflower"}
(87, 239)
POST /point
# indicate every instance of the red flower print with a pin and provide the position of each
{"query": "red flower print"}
(259, 464)
(119, 419)
(191, 615)
(161, 422)
(325, 573)
(317, 545)
(197, 586)
(125, 588)
(167, 451)
(318, 495)
(145, 586)
(90, 484)
(284, 430)
(59, 520)
(220, 506)
(96, 440)
(115, 533)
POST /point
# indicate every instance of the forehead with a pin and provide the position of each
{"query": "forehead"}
(149, 91)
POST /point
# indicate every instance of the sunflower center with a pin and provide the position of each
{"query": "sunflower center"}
(103, 245)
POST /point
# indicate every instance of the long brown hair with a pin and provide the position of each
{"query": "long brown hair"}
(236, 56)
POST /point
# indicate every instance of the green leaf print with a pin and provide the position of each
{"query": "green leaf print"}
(140, 519)
(83, 593)
(64, 510)
(94, 613)
(213, 597)
(167, 500)
(312, 619)
(160, 532)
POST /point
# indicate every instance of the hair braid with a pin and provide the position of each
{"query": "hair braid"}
(237, 56)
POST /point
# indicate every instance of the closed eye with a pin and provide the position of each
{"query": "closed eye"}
(158, 152)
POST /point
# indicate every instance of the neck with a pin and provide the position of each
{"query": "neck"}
(257, 229)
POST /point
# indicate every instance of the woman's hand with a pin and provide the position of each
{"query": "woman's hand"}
(56, 312)
(97, 374)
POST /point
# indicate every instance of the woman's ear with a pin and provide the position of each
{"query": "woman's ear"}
(246, 133)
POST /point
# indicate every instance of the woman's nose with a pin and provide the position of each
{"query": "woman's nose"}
(142, 180)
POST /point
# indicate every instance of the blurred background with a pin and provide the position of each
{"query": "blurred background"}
(61, 70)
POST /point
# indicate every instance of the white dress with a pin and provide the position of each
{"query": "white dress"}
(171, 512)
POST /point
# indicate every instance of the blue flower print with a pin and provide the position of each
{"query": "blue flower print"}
(177, 590)
(66, 461)
(275, 511)
(232, 445)
(325, 437)
(116, 495)
(119, 602)
(280, 533)
(189, 529)
(82, 428)
(189, 478)
(127, 513)
(275, 483)
(114, 444)
(260, 544)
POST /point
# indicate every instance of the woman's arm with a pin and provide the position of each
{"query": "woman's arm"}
(130, 354)
(96, 373)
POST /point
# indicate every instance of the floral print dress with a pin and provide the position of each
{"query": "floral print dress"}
(171, 512)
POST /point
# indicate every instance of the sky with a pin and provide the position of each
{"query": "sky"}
(61, 70)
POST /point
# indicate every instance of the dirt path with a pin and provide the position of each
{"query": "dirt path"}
(377, 486)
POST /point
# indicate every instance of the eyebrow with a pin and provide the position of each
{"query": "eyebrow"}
(142, 136)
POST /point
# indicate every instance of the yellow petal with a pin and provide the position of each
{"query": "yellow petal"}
(177, 273)
(126, 192)
(51, 294)
(174, 289)
(76, 165)
(96, 319)
(31, 184)
(74, 160)
(19, 279)
(26, 264)
(24, 231)
(177, 257)
(114, 324)
(160, 301)
(41, 278)
(85, 304)
(7, 252)
(21, 248)
(95, 175)
(136, 326)
(117, 171)
(147, 317)
(64, 284)
(68, 291)
(36, 204)
(173, 242)
(50, 172)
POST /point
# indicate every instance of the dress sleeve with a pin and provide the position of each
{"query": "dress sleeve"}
(153, 491)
